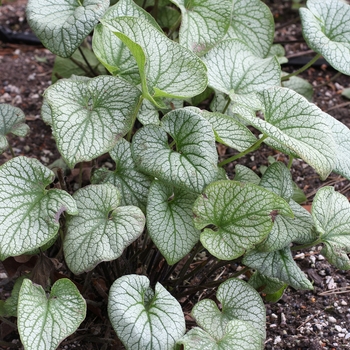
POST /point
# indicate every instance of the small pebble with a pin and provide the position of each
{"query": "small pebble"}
(277, 340)
(331, 319)
(313, 259)
(274, 316)
(320, 257)
(347, 336)
(343, 302)
(300, 256)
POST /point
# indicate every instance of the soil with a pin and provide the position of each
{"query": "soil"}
(318, 319)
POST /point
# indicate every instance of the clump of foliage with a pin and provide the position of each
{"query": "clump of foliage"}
(138, 94)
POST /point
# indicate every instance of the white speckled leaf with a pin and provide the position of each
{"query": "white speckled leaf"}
(62, 25)
(45, 320)
(238, 335)
(234, 68)
(110, 50)
(132, 184)
(325, 25)
(341, 136)
(142, 318)
(12, 120)
(29, 215)
(245, 174)
(253, 23)
(166, 68)
(295, 124)
(148, 113)
(89, 117)
(230, 131)
(101, 230)
(204, 23)
(170, 221)
(278, 264)
(194, 163)
(238, 300)
(235, 217)
(331, 214)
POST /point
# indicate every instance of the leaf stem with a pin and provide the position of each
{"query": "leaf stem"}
(290, 162)
(305, 246)
(12, 152)
(226, 106)
(134, 116)
(302, 69)
(242, 154)
(175, 26)
(87, 62)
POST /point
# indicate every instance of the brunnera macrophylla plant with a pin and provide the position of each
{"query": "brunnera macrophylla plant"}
(169, 198)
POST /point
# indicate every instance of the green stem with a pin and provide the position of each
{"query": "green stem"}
(290, 162)
(302, 69)
(226, 106)
(305, 246)
(175, 26)
(242, 154)
(87, 62)
(136, 111)
(11, 150)
(172, 144)
(184, 269)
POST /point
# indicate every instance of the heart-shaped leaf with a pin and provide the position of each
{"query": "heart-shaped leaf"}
(132, 184)
(278, 264)
(90, 116)
(192, 165)
(12, 120)
(234, 68)
(169, 221)
(101, 230)
(143, 318)
(295, 126)
(166, 68)
(229, 131)
(238, 335)
(110, 50)
(235, 217)
(238, 301)
(62, 25)
(204, 23)
(253, 23)
(44, 321)
(325, 25)
(331, 214)
(30, 213)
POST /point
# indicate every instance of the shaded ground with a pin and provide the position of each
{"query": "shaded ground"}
(318, 319)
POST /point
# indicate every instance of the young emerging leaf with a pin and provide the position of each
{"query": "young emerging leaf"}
(166, 68)
(132, 184)
(278, 264)
(142, 318)
(110, 50)
(101, 230)
(325, 25)
(234, 69)
(235, 217)
(90, 116)
(204, 23)
(62, 25)
(12, 120)
(30, 213)
(169, 221)
(295, 126)
(331, 214)
(253, 23)
(285, 230)
(44, 321)
(194, 163)
(238, 301)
